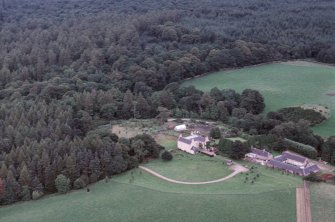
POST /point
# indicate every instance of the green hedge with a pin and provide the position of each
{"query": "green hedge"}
(302, 149)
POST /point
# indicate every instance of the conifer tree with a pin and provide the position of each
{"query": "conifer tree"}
(3, 171)
(128, 105)
(71, 170)
(36, 185)
(142, 107)
(1, 187)
(25, 178)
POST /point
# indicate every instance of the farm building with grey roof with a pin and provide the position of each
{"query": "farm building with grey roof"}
(293, 163)
(259, 154)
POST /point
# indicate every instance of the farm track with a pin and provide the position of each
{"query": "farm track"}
(237, 170)
(303, 204)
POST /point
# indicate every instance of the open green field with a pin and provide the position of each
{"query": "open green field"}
(127, 202)
(282, 85)
(138, 196)
(190, 168)
(323, 202)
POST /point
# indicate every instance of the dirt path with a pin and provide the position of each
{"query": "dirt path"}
(237, 169)
(303, 204)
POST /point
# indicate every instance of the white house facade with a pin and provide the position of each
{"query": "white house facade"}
(192, 144)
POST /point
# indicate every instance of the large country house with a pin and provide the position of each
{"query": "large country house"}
(192, 144)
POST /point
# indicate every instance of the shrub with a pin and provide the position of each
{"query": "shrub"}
(36, 195)
(166, 156)
(313, 177)
(294, 114)
(62, 184)
(79, 183)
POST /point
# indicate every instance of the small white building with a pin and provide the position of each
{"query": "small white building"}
(180, 128)
(192, 144)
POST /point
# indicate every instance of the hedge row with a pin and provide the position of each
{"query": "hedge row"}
(302, 149)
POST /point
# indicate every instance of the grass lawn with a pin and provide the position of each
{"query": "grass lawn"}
(168, 141)
(138, 196)
(282, 85)
(186, 167)
(323, 202)
(268, 181)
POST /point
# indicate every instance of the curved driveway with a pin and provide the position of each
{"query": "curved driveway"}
(237, 169)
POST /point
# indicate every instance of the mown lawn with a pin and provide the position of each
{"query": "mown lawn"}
(186, 167)
(268, 181)
(323, 202)
(282, 85)
(138, 196)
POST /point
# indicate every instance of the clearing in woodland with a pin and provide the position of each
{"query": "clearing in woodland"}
(282, 85)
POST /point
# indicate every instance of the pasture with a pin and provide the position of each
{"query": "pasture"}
(123, 202)
(138, 196)
(282, 85)
(323, 202)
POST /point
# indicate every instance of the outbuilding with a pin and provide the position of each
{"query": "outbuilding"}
(180, 128)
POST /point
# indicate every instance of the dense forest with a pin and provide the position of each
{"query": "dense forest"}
(69, 66)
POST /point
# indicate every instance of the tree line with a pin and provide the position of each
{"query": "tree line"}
(67, 67)
(34, 169)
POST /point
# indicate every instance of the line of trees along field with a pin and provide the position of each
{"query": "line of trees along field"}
(68, 66)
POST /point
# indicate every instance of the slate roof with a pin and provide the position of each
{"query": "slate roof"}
(260, 152)
(188, 140)
(285, 166)
(184, 140)
(291, 156)
(200, 139)
(279, 162)
(280, 158)
(311, 169)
